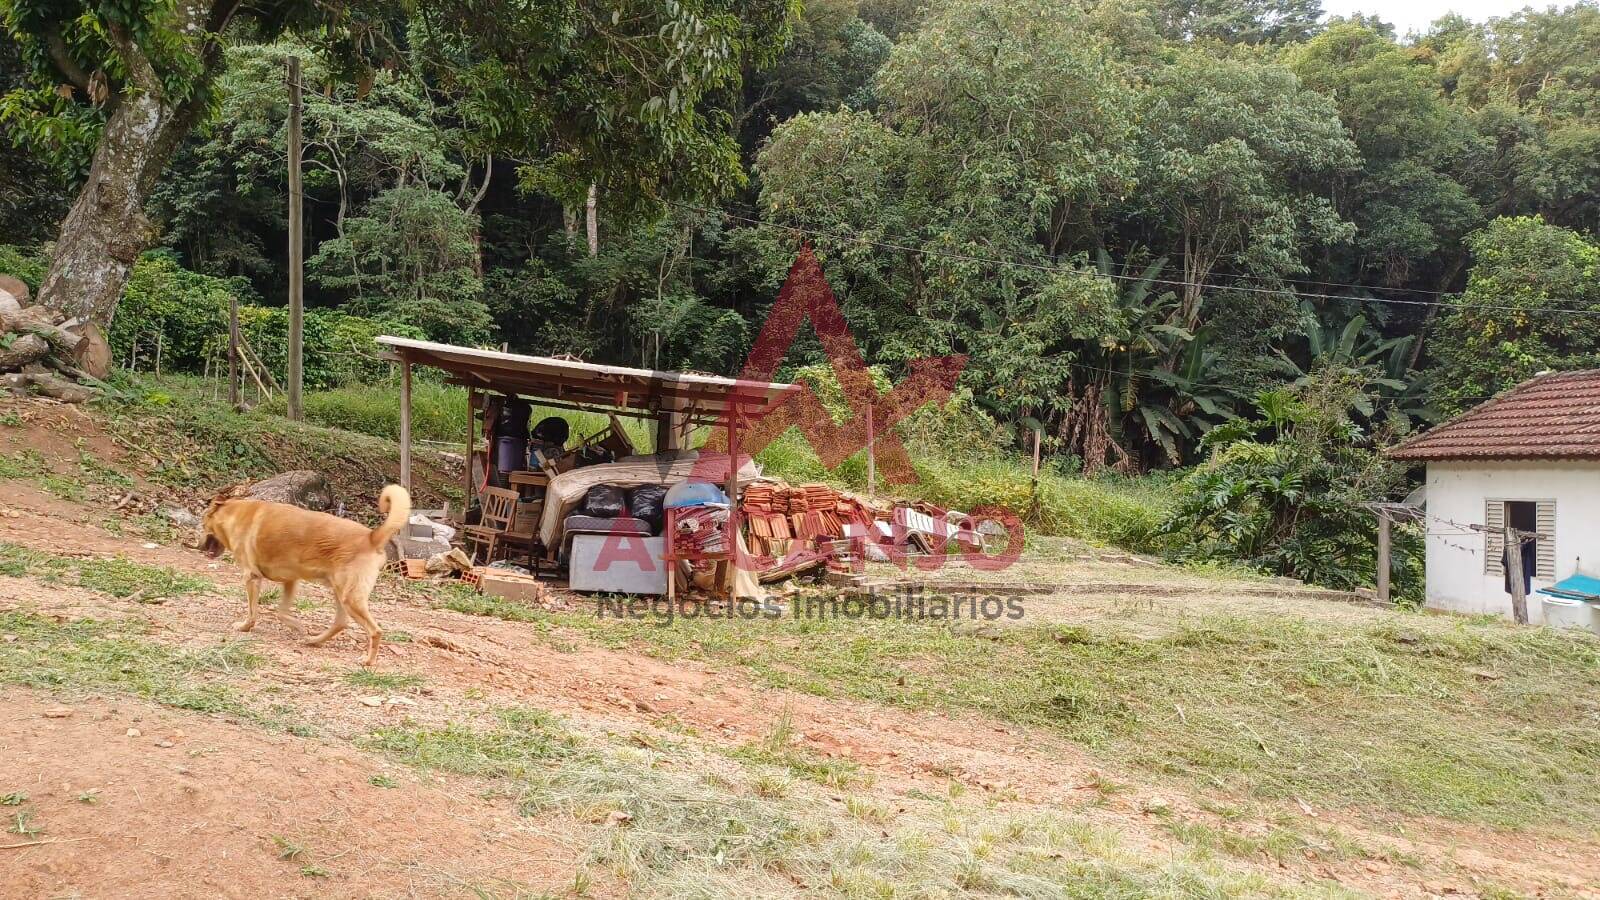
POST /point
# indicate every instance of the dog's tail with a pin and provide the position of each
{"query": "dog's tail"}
(395, 503)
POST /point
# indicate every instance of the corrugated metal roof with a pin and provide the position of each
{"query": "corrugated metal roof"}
(1554, 416)
(580, 382)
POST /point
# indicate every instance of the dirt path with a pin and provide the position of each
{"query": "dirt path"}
(472, 665)
(135, 800)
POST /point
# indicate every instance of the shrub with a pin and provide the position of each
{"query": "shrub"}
(28, 265)
(190, 313)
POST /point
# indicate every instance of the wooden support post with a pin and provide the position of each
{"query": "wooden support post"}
(296, 246)
(472, 438)
(234, 400)
(405, 424)
(1519, 596)
(733, 492)
(1383, 556)
(1037, 436)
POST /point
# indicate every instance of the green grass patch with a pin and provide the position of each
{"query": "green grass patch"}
(513, 749)
(30, 465)
(187, 439)
(88, 655)
(118, 577)
(463, 599)
(1471, 720)
(778, 749)
(367, 679)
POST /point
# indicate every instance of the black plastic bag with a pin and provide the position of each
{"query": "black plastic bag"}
(645, 502)
(604, 502)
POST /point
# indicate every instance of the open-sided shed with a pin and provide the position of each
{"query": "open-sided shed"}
(674, 400)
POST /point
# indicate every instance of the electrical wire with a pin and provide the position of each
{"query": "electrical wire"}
(1059, 270)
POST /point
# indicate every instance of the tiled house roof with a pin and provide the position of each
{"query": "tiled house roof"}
(1553, 416)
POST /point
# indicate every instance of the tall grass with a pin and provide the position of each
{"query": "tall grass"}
(1121, 511)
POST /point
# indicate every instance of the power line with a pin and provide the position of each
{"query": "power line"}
(1056, 269)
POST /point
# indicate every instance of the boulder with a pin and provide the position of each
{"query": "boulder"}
(178, 516)
(16, 287)
(301, 487)
(9, 303)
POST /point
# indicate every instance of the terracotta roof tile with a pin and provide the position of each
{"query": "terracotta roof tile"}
(1553, 416)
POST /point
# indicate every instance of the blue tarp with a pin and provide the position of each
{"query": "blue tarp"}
(1575, 587)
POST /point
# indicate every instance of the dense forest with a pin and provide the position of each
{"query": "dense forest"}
(1140, 219)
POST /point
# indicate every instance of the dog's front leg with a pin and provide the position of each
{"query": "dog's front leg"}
(252, 593)
(286, 607)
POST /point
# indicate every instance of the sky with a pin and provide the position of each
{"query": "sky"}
(1409, 15)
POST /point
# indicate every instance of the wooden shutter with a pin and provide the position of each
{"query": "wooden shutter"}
(1547, 545)
(1494, 519)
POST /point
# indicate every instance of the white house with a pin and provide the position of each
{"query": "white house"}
(1529, 458)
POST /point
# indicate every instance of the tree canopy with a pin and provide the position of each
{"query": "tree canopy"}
(1133, 216)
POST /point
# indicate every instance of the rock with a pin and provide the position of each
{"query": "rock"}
(301, 487)
(10, 302)
(618, 817)
(178, 516)
(58, 712)
(165, 744)
(372, 701)
(14, 381)
(134, 732)
(17, 288)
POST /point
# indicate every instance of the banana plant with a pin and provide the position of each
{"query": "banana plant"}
(1355, 347)
(1160, 378)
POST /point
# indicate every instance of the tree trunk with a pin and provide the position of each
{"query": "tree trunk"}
(106, 228)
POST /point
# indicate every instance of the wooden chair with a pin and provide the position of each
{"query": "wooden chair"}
(493, 531)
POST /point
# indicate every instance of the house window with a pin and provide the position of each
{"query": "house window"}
(1538, 516)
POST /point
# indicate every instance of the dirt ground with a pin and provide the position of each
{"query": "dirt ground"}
(143, 800)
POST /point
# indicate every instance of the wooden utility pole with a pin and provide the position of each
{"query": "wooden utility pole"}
(1383, 555)
(1038, 434)
(1519, 589)
(233, 351)
(592, 210)
(296, 246)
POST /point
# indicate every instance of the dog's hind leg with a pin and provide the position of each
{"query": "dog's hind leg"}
(286, 606)
(252, 593)
(353, 596)
(340, 620)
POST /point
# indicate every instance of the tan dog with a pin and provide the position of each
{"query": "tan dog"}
(287, 544)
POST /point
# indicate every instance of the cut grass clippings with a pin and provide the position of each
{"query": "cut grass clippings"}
(678, 824)
(1472, 720)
